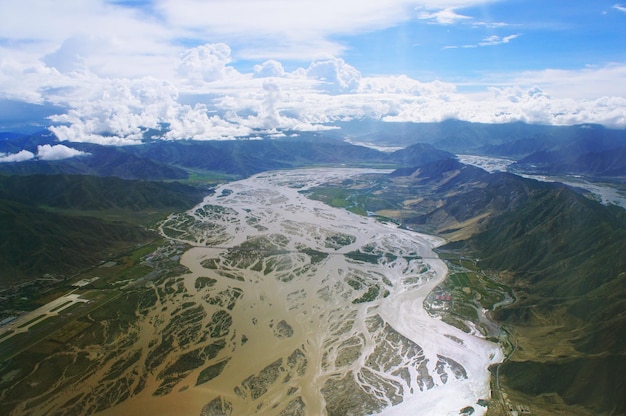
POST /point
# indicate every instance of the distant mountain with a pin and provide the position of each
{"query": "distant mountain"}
(59, 224)
(513, 140)
(247, 157)
(97, 160)
(419, 154)
(574, 161)
(159, 159)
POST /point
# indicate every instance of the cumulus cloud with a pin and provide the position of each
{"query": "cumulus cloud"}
(269, 112)
(186, 122)
(268, 69)
(335, 73)
(57, 152)
(28, 82)
(20, 156)
(269, 99)
(206, 63)
(116, 111)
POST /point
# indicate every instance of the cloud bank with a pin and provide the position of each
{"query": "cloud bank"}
(223, 103)
(124, 71)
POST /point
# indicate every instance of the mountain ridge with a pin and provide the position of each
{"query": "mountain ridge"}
(59, 224)
(562, 253)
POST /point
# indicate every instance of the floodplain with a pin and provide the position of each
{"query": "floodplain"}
(277, 305)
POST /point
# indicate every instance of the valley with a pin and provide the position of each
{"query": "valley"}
(284, 306)
(310, 291)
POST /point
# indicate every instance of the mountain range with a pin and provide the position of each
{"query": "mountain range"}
(560, 251)
(159, 160)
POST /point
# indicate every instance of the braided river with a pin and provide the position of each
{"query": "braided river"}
(293, 307)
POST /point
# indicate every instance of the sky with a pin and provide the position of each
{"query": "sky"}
(106, 71)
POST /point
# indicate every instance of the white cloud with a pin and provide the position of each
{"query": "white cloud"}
(491, 40)
(335, 73)
(115, 111)
(113, 39)
(301, 20)
(445, 16)
(20, 156)
(206, 63)
(268, 69)
(28, 82)
(100, 75)
(119, 111)
(588, 83)
(619, 7)
(187, 122)
(73, 52)
(57, 152)
(108, 39)
(497, 40)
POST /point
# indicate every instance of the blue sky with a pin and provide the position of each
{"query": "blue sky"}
(542, 34)
(229, 68)
(564, 34)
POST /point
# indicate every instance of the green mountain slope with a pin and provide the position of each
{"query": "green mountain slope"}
(563, 254)
(36, 242)
(59, 224)
(88, 193)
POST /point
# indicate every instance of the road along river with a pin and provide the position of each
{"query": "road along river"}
(292, 307)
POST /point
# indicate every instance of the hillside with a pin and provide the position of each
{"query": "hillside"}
(92, 193)
(59, 224)
(562, 254)
(37, 242)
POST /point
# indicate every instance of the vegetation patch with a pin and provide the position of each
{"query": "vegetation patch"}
(363, 257)
(339, 240)
(211, 372)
